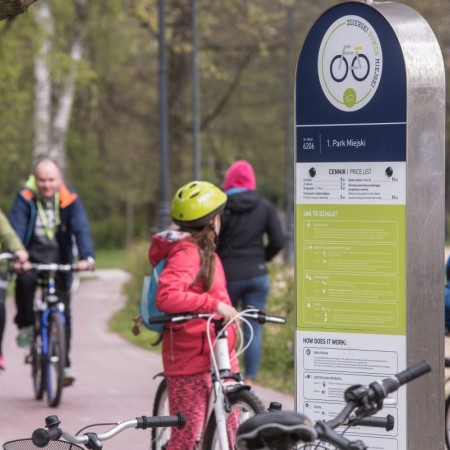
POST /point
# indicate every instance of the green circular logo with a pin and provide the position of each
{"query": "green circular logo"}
(350, 63)
(349, 97)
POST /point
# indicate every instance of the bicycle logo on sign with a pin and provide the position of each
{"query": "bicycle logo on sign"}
(359, 68)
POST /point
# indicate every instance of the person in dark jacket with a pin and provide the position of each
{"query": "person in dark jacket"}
(46, 216)
(250, 236)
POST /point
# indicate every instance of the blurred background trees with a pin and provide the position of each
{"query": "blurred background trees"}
(95, 102)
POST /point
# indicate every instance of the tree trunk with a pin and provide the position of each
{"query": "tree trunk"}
(61, 121)
(52, 121)
(43, 83)
(11, 8)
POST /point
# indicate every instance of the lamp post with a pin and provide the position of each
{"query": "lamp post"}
(195, 93)
(164, 213)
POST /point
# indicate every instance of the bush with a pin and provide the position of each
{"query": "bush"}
(278, 356)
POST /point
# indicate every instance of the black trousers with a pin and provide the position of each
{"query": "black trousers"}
(26, 285)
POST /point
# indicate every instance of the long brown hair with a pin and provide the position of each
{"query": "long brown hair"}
(204, 239)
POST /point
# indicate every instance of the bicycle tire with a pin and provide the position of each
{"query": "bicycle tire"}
(246, 403)
(37, 365)
(161, 436)
(55, 361)
(447, 422)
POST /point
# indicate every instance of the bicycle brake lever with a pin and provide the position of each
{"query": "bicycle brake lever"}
(93, 443)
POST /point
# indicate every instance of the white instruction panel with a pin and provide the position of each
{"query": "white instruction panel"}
(332, 362)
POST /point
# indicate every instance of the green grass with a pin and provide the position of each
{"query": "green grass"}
(112, 258)
(277, 365)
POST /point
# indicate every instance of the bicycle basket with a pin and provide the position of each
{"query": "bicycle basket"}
(27, 444)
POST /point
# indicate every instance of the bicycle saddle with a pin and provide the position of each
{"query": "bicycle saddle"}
(274, 431)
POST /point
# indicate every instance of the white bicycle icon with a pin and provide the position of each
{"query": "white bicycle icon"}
(360, 66)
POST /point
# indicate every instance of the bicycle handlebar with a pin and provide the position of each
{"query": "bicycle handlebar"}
(7, 256)
(54, 267)
(42, 267)
(260, 316)
(361, 402)
(387, 422)
(368, 400)
(41, 437)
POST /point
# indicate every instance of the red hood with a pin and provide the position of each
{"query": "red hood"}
(164, 243)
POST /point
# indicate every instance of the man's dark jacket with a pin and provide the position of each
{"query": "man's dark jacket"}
(250, 235)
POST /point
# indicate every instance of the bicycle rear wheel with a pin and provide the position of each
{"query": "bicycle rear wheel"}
(37, 366)
(447, 422)
(243, 405)
(55, 360)
(161, 436)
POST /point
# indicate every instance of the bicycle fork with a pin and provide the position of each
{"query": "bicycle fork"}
(221, 419)
(222, 358)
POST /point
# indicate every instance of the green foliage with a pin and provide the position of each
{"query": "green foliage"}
(109, 233)
(113, 141)
(278, 356)
(111, 259)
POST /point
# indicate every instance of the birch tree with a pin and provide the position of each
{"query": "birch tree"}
(53, 107)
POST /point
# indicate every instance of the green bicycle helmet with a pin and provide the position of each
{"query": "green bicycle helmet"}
(196, 203)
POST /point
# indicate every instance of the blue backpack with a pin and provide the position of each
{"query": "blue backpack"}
(148, 298)
(147, 306)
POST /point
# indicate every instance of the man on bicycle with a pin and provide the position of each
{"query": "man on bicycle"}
(47, 216)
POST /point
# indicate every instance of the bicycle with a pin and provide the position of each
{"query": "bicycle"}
(285, 430)
(230, 400)
(447, 407)
(48, 352)
(42, 437)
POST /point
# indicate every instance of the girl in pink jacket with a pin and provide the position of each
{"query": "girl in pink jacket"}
(193, 281)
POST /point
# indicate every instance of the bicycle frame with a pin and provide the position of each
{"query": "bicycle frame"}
(48, 303)
(221, 369)
(48, 351)
(228, 389)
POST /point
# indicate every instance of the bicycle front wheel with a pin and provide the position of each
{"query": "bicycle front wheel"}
(37, 365)
(243, 405)
(55, 360)
(161, 436)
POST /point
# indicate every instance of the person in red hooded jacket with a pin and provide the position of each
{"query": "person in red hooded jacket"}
(193, 281)
(250, 237)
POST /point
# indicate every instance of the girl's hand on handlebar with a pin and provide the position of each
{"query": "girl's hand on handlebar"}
(228, 312)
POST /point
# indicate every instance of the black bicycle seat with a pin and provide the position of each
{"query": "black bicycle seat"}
(274, 431)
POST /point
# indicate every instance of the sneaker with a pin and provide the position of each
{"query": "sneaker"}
(69, 377)
(2, 363)
(24, 337)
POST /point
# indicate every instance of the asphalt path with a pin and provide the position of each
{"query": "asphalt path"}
(114, 377)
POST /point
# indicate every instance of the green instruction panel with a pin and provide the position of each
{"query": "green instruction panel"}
(351, 269)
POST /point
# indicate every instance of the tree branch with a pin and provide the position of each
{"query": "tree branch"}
(223, 100)
(11, 8)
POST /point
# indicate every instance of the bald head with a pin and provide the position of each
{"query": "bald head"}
(48, 178)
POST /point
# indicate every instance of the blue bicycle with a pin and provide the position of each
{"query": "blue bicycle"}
(48, 348)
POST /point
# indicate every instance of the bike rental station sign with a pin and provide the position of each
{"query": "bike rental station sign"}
(361, 114)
